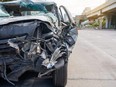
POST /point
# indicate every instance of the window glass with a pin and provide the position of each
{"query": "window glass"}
(3, 13)
(64, 16)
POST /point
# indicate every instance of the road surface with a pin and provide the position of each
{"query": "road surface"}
(93, 61)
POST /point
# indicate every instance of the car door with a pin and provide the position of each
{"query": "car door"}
(69, 29)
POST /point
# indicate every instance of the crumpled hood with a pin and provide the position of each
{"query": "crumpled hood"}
(22, 18)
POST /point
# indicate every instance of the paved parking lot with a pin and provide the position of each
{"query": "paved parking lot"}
(93, 61)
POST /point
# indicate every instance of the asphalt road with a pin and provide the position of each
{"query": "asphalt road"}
(92, 63)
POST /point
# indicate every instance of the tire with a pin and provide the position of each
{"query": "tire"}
(60, 76)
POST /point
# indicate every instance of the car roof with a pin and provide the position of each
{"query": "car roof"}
(17, 2)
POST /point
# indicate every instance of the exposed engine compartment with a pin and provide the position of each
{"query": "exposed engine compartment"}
(32, 46)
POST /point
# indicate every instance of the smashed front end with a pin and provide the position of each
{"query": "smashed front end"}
(34, 46)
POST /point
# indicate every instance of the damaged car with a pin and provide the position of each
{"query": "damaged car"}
(36, 38)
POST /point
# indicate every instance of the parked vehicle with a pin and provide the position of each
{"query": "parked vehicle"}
(37, 38)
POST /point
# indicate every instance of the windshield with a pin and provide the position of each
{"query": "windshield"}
(30, 8)
(3, 13)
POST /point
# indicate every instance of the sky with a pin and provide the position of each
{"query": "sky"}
(76, 7)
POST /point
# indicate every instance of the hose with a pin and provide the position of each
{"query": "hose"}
(4, 73)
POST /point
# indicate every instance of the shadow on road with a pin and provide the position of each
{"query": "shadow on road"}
(29, 83)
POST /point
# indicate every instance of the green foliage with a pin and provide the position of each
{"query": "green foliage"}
(104, 23)
(95, 24)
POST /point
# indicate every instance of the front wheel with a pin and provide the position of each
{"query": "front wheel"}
(60, 76)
